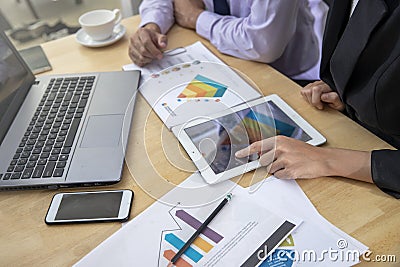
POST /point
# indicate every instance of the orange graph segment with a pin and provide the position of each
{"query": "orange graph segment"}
(169, 254)
(210, 90)
(187, 93)
(202, 86)
(194, 88)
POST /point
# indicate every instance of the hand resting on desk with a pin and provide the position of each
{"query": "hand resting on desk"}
(147, 44)
(319, 93)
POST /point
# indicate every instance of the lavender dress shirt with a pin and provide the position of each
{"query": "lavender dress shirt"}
(287, 34)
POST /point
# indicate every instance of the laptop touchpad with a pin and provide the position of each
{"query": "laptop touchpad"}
(103, 131)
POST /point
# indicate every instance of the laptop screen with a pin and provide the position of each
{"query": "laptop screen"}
(15, 81)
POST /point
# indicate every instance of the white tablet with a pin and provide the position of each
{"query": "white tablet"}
(212, 141)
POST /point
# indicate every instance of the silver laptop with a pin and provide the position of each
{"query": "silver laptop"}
(62, 130)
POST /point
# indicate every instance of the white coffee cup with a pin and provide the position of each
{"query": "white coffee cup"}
(99, 24)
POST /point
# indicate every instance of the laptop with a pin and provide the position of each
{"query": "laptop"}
(62, 130)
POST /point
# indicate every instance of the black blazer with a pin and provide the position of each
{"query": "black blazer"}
(361, 61)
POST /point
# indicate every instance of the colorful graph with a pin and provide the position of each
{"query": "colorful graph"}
(193, 222)
(202, 86)
(260, 126)
(169, 254)
(175, 241)
(200, 245)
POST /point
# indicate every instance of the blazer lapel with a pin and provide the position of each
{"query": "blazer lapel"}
(339, 12)
(365, 18)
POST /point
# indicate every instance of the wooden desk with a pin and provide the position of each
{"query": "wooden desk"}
(359, 209)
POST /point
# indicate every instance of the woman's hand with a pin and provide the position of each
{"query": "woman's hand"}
(289, 158)
(319, 93)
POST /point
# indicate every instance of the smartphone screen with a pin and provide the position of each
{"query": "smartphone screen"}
(90, 206)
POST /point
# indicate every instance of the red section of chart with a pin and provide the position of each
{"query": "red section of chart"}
(169, 254)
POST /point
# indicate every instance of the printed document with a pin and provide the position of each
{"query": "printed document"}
(190, 83)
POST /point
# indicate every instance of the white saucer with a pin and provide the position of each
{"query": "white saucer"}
(85, 40)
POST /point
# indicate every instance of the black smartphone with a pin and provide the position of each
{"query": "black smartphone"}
(95, 206)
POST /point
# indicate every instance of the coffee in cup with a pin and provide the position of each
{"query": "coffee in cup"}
(99, 24)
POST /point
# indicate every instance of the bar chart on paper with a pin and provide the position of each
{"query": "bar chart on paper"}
(232, 239)
(174, 241)
(191, 84)
(202, 86)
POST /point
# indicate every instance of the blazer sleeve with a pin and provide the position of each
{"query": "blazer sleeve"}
(385, 167)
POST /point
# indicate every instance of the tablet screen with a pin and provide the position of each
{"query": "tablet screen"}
(219, 139)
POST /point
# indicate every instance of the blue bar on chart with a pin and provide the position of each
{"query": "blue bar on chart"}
(175, 241)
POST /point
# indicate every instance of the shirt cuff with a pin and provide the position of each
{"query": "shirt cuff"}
(385, 171)
(205, 22)
(154, 17)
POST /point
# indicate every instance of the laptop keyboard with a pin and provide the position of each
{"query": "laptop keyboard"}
(45, 148)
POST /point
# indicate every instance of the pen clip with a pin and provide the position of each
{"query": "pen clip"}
(175, 51)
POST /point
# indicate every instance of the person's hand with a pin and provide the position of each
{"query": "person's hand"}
(289, 158)
(146, 44)
(319, 93)
(187, 11)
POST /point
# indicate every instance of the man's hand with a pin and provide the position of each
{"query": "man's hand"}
(146, 44)
(187, 11)
(319, 93)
